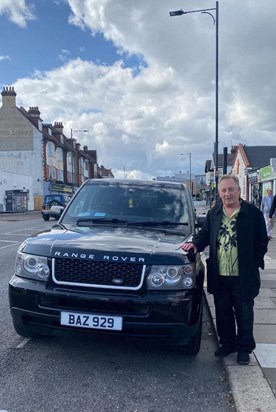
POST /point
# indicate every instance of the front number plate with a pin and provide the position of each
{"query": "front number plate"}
(85, 320)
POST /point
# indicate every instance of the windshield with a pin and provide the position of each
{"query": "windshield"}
(129, 203)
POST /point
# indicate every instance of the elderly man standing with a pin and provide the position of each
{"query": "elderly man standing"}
(265, 208)
(236, 233)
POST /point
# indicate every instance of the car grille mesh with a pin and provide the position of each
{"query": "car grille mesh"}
(98, 274)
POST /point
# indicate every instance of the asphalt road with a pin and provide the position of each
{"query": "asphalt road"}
(95, 373)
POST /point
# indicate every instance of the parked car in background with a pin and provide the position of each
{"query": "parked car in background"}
(114, 264)
(53, 205)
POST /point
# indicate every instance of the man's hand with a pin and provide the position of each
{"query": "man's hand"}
(189, 247)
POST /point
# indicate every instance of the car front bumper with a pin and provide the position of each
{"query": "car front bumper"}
(172, 316)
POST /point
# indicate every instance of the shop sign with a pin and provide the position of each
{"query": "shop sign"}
(266, 172)
(56, 187)
(253, 178)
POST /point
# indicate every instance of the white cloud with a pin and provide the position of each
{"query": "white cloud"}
(5, 57)
(144, 121)
(64, 55)
(17, 11)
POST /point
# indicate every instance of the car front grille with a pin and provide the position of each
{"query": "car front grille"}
(98, 274)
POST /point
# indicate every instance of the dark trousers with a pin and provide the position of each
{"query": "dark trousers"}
(234, 315)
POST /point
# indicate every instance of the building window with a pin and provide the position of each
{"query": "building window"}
(60, 176)
(52, 173)
(50, 149)
(81, 165)
(59, 154)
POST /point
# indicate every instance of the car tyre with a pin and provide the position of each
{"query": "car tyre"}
(46, 217)
(193, 347)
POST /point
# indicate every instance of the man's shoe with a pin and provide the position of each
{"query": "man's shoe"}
(243, 358)
(224, 351)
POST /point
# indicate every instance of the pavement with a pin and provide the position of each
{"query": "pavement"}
(17, 216)
(253, 386)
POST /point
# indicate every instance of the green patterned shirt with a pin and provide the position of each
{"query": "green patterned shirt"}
(227, 245)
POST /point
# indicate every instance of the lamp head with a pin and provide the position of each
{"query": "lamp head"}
(176, 13)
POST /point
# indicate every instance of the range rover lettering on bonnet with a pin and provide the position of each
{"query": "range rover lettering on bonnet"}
(110, 258)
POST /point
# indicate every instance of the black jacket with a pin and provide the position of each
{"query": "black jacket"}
(252, 246)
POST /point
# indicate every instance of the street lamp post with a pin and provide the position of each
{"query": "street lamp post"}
(125, 171)
(72, 132)
(190, 168)
(216, 22)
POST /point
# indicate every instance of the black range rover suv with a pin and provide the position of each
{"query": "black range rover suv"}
(113, 263)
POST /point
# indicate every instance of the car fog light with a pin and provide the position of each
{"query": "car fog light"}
(187, 281)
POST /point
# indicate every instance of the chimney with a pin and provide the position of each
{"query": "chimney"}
(34, 112)
(58, 126)
(8, 97)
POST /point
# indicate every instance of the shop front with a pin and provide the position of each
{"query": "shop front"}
(267, 179)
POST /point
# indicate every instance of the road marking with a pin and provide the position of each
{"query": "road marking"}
(22, 344)
(13, 244)
(19, 232)
(8, 241)
(17, 235)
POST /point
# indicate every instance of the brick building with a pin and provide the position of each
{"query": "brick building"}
(37, 158)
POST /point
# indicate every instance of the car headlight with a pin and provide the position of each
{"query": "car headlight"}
(171, 277)
(32, 267)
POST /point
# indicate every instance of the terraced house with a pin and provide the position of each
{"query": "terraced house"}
(37, 159)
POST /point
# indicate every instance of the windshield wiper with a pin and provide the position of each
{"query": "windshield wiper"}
(100, 220)
(157, 223)
(103, 220)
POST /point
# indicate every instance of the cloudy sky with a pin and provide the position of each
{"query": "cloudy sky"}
(142, 82)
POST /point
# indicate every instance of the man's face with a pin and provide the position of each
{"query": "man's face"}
(269, 192)
(229, 193)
